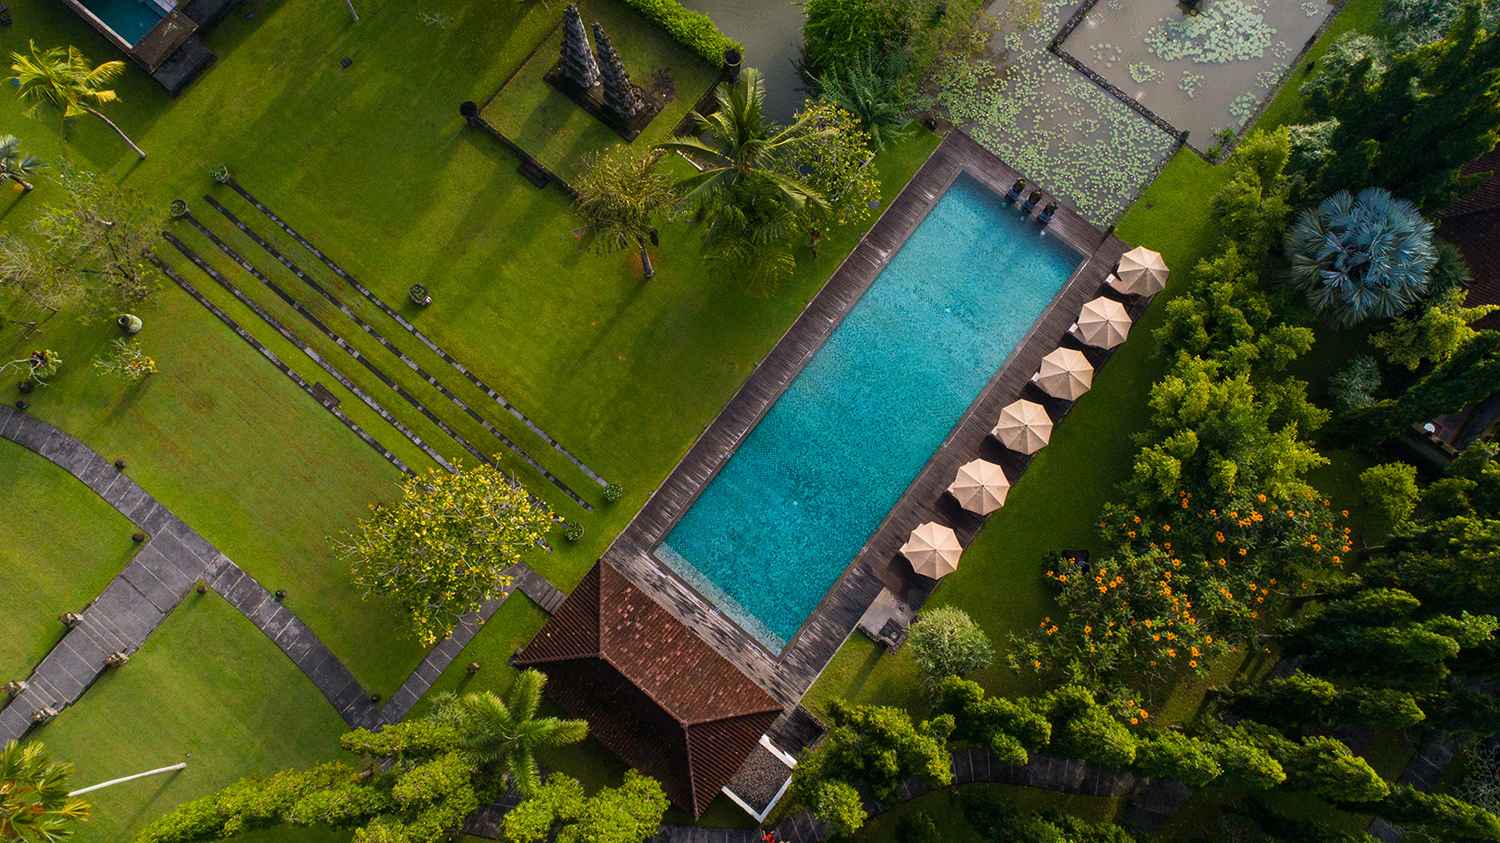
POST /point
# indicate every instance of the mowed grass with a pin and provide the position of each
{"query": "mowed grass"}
(559, 134)
(62, 546)
(207, 688)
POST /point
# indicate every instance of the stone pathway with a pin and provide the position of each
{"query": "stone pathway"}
(173, 559)
(541, 590)
(292, 267)
(415, 332)
(312, 354)
(132, 605)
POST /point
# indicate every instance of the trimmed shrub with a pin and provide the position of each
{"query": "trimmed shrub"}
(693, 30)
(1354, 386)
(918, 827)
(613, 493)
(946, 642)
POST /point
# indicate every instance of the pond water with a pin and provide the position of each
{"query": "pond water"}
(771, 31)
(1056, 126)
(1202, 72)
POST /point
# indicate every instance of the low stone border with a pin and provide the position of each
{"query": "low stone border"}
(415, 332)
(292, 337)
(280, 366)
(292, 267)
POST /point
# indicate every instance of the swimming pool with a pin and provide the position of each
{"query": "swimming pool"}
(790, 509)
(130, 19)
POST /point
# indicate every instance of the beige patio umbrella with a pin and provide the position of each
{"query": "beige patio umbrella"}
(1024, 427)
(933, 550)
(980, 487)
(1065, 373)
(1142, 272)
(1102, 323)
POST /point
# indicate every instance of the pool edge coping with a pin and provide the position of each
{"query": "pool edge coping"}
(788, 674)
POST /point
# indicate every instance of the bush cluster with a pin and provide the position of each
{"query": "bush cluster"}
(693, 30)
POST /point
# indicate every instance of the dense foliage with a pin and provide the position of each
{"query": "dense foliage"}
(869, 751)
(444, 548)
(421, 778)
(629, 813)
(1410, 121)
(693, 30)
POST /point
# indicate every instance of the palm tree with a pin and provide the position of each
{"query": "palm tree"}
(15, 167)
(34, 802)
(870, 88)
(64, 78)
(1363, 256)
(739, 146)
(509, 732)
(621, 197)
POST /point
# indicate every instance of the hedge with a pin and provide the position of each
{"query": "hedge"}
(694, 30)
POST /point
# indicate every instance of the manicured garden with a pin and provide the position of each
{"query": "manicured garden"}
(46, 569)
(207, 688)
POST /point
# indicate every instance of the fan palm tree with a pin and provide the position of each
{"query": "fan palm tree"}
(34, 802)
(621, 197)
(15, 167)
(738, 145)
(1363, 256)
(64, 78)
(509, 732)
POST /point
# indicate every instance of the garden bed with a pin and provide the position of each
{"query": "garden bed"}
(557, 132)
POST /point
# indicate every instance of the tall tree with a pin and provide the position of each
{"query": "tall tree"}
(14, 166)
(34, 802)
(64, 78)
(1411, 128)
(622, 197)
(1469, 375)
(443, 549)
(92, 250)
(509, 733)
(754, 208)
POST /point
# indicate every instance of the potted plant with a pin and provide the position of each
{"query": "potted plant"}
(418, 295)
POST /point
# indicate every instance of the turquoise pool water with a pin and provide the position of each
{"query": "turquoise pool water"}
(130, 19)
(808, 486)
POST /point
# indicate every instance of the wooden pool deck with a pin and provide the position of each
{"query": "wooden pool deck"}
(788, 675)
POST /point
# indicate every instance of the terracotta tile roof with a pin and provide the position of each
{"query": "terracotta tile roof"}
(1486, 196)
(653, 692)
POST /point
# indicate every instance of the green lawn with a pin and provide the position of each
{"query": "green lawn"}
(207, 687)
(63, 545)
(559, 134)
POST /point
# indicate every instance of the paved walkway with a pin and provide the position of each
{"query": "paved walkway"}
(132, 605)
(173, 559)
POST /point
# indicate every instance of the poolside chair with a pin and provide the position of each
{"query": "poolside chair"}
(1031, 202)
(1015, 192)
(1046, 215)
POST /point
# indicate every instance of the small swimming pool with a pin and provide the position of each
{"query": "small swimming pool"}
(130, 19)
(788, 512)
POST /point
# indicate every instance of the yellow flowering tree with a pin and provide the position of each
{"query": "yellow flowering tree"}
(444, 548)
